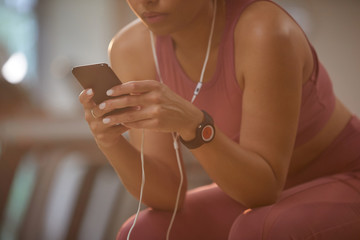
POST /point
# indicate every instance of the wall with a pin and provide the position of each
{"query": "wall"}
(333, 27)
(73, 33)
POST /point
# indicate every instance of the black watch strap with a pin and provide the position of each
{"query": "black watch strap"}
(205, 132)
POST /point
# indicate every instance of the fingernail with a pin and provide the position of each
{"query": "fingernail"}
(89, 92)
(102, 106)
(109, 92)
(106, 120)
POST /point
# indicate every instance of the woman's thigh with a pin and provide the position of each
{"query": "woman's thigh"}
(326, 208)
(208, 213)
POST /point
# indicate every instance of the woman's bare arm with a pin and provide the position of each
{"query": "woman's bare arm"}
(270, 54)
(126, 53)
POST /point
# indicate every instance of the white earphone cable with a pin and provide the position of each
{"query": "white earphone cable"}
(199, 85)
(178, 159)
(175, 142)
(142, 184)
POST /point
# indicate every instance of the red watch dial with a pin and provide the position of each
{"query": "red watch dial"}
(207, 133)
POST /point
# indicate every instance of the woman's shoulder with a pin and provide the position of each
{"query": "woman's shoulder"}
(265, 28)
(130, 52)
(267, 34)
(266, 20)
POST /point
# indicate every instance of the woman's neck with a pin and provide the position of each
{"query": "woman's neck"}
(195, 36)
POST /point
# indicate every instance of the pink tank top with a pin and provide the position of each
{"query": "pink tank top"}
(221, 96)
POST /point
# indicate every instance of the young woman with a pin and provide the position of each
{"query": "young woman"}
(281, 149)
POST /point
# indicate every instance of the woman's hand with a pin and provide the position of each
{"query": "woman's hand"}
(153, 106)
(105, 135)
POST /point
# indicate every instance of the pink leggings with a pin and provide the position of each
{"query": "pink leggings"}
(327, 207)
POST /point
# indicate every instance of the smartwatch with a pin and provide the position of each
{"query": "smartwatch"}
(205, 133)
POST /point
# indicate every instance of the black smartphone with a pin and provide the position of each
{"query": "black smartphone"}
(100, 77)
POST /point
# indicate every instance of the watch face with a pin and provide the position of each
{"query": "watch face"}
(207, 133)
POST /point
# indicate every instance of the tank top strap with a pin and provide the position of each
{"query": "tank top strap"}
(226, 55)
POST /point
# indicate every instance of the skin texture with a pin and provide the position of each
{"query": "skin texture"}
(273, 60)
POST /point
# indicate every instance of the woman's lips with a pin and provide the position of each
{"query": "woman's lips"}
(153, 17)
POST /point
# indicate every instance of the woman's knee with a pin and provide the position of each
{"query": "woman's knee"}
(249, 225)
(303, 221)
(150, 224)
(206, 214)
(275, 222)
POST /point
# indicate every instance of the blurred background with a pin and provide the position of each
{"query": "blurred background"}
(54, 182)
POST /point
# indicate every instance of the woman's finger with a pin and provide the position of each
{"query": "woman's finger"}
(134, 87)
(85, 98)
(151, 117)
(152, 94)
